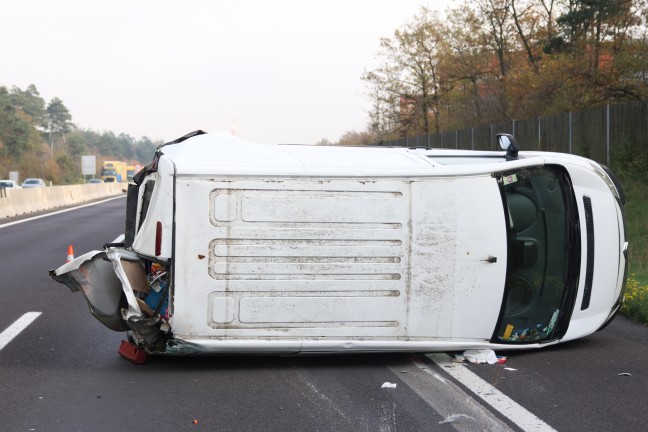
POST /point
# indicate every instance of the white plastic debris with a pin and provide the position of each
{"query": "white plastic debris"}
(454, 417)
(510, 369)
(388, 385)
(625, 374)
(480, 356)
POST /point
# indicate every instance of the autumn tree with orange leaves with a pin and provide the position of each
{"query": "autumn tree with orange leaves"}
(494, 60)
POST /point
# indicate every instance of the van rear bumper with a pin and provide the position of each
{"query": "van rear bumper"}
(109, 280)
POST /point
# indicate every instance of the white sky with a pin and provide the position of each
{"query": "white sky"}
(285, 71)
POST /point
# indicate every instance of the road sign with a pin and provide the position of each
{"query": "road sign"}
(89, 165)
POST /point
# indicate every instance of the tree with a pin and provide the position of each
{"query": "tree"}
(31, 103)
(497, 29)
(69, 168)
(17, 135)
(548, 6)
(77, 143)
(607, 44)
(526, 20)
(406, 87)
(494, 60)
(471, 69)
(125, 144)
(145, 150)
(24, 148)
(591, 22)
(358, 138)
(58, 120)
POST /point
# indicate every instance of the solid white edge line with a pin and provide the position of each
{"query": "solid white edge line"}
(510, 409)
(18, 326)
(8, 224)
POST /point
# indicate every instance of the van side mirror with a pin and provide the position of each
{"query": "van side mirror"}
(507, 142)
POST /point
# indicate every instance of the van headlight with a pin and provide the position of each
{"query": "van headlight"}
(610, 180)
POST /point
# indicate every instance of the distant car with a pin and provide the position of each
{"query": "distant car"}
(33, 182)
(94, 181)
(9, 184)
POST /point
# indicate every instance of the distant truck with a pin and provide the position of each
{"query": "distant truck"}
(132, 170)
(114, 171)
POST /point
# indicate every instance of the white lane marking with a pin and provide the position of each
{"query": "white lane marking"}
(8, 224)
(506, 406)
(447, 399)
(18, 326)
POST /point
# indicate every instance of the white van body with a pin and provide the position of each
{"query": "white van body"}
(316, 249)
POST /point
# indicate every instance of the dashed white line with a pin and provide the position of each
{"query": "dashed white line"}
(506, 406)
(18, 326)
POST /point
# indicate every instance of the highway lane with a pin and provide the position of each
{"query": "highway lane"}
(63, 373)
(598, 383)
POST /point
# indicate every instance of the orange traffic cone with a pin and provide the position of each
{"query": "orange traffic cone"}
(70, 255)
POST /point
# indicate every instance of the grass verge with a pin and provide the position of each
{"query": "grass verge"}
(636, 301)
(636, 304)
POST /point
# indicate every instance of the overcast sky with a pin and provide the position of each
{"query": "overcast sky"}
(284, 71)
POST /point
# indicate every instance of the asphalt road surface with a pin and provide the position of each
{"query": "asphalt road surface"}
(63, 373)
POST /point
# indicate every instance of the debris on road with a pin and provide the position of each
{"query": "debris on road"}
(454, 417)
(480, 356)
(131, 353)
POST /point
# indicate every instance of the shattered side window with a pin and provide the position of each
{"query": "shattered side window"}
(146, 199)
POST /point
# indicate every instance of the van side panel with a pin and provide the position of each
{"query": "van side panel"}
(325, 258)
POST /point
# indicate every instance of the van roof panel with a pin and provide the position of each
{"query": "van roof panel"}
(222, 152)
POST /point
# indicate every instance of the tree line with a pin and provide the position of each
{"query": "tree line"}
(39, 139)
(489, 61)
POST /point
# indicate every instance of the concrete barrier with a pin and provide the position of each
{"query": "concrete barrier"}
(17, 202)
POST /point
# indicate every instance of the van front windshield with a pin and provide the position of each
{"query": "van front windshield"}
(543, 255)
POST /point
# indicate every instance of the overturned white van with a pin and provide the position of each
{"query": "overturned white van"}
(238, 247)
